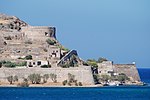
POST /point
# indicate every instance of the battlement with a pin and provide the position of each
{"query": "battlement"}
(38, 27)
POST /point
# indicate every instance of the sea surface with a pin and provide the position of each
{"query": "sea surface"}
(93, 93)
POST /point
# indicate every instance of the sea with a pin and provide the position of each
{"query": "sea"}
(81, 93)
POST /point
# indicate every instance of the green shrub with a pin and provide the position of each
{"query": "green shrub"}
(105, 78)
(51, 42)
(45, 78)
(64, 82)
(9, 64)
(24, 83)
(92, 63)
(96, 78)
(22, 64)
(76, 83)
(28, 57)
(63, 48)
(80, 84)
(71, 78)
(69, 83)
(101, 59)
(35, 78)
(10, 79)
(15, 78)
(122, 77)
(45, 66)
(53, 77)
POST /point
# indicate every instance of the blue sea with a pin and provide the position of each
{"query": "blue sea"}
(93, 93)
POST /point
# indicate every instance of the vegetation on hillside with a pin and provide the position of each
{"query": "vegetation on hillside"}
(10, 64)
(51, 42)
(93, 62)
(63, 48)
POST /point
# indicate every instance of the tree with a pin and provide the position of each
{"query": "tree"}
(64, 82)
(96, 78)
(53, 77)
(51, 42)
(45, 78)
(105, 78)
(15, 78)
(122, 77)
(92, 62)
(100, 60)
(31, 78)
(71, 78)
(80, 84)
(35, 78)
(10, 79)
(24, 83)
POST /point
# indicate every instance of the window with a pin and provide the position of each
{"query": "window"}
(33, 63)
(39, 63)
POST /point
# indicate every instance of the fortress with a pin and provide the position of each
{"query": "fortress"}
(35, 49)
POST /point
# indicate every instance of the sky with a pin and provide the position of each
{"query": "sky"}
(118, 30)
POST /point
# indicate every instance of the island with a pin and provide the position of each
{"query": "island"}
(32, 56)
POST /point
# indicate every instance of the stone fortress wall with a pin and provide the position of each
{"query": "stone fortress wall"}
(82, 74)
(107, 67)
(129, 69)
(39, 32)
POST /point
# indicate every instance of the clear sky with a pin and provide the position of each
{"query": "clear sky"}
(115, 29)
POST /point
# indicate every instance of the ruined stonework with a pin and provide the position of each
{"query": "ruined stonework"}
(82, 74)
(129, 69)
(19, 41)
(107, 67)
(36, 47)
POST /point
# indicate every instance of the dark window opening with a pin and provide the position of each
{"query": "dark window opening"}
(39, 63)
(33, 63)
(46, 34)
(53, 54)
(30, 65)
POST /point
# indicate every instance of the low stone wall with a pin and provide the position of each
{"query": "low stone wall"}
(82, 74)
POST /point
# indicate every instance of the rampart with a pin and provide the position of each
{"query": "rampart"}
(39, 32)
(82, 74)
(129, 69)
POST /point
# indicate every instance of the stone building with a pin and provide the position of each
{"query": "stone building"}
(106, 67)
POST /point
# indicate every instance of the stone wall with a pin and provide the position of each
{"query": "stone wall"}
(82, 74)
(129, 69)
(39, 33)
